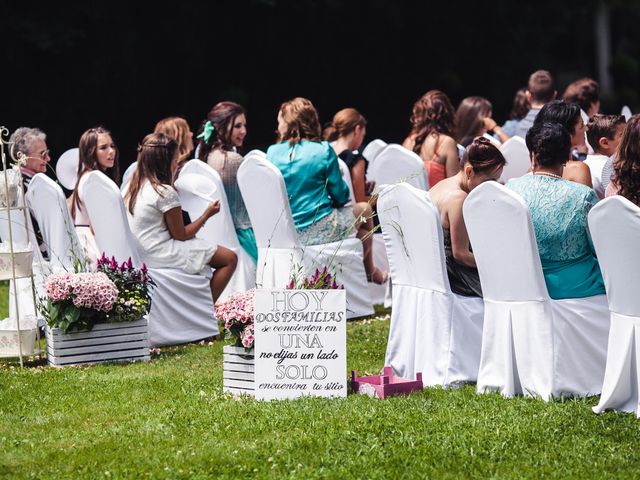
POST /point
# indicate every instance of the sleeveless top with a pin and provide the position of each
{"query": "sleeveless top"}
(435, 171)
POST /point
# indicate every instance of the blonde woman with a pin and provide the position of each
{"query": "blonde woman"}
(178, 129)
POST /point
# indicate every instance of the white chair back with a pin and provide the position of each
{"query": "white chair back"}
(502, 237)
(126, 176)
(626, 113)
(219, 228)
(67, 168)
(395, 164)
(49, 208)
(346, 176)
(432, 331)
(104, 202)
(372, 150)
(265, 196)
(413, 236)
(517, 155)
(255, 151)
(615, 229)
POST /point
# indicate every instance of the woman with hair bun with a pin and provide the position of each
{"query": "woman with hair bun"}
(481, 162)
(220, 137)
(347, 132)
(317, 193)
(431, 136)
(559, 210)
(155, 217)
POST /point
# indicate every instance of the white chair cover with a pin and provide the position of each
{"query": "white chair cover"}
(626, 113)
(373, 148)
(41, 269)
(433, 330)
(279, 250)
(67, 168)
(219, 229)
(395, 164)
(531, 344)
(126, 176)
(49, 208)
(181, 303)
(615, 229)
(516, 154)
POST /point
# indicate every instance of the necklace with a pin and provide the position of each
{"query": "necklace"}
(548, 174)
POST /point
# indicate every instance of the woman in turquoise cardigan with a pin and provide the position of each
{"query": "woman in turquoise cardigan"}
(559, 210)
(317, 193)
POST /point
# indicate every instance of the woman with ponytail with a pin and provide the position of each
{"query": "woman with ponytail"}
(346, 133)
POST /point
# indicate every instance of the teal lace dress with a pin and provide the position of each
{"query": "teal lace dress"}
(559, 210)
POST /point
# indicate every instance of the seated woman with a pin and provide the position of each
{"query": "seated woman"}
(482, 162)
(221, 135)
(97, 151)
(314, 184)
(626, 167)
(559, 210)
(473, 119)
(348, 129)
(31, 144)
(568, 115)
(431, 136)
(155, 217)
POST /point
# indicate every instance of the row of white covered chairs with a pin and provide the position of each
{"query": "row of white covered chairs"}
(516, 340)
(182, 308)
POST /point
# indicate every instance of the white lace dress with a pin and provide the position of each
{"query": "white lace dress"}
(159, 249)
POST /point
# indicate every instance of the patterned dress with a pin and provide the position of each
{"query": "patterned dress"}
(559, 210)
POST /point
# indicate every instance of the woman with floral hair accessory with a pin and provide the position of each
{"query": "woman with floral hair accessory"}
(154, 212)
(220, 137)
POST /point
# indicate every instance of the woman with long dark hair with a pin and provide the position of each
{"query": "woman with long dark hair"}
(626, 167)
(221, 136)
(97, 151)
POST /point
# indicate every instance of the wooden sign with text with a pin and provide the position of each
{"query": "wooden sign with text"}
(300, 343)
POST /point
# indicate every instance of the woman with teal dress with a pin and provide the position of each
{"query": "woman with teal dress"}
(317, 193)
(220, 137)
(559, 210)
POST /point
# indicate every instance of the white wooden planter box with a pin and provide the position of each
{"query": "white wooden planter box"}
(106, 342)
(238, 372)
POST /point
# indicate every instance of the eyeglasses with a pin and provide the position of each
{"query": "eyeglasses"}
(42, 155)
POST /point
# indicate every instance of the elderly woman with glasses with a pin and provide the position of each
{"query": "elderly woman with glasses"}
(32, 144)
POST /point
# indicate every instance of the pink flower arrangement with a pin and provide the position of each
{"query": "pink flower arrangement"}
(78, 299)
(237, 315)
(88, 290)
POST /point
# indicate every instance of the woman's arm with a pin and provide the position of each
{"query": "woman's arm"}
(492, 127)
(452, 161)
(358, 181)
(175, 224)
(458, 230)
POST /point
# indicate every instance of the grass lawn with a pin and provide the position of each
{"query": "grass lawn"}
(168, 419)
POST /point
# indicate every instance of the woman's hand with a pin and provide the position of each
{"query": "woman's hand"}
(212, 209)
(489, 123)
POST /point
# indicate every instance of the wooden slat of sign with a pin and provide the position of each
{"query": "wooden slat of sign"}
(238, 367)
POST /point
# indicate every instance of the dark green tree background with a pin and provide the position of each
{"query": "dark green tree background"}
(126, 64)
